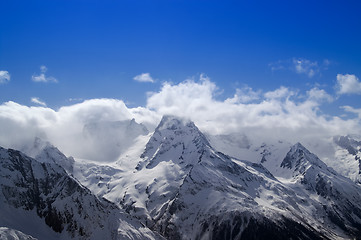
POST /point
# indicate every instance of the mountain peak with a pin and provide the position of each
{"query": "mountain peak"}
(175, 133)
(299, 159)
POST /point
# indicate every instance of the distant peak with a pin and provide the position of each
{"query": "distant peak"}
(299, 156)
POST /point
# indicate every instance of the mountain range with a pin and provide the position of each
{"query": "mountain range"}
(178, 183)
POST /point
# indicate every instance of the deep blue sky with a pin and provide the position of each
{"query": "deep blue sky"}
(95, 48)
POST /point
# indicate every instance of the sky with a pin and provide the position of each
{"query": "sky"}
(227, 65)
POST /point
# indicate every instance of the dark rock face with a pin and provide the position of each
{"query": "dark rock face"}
(46, 190)
(244, 226)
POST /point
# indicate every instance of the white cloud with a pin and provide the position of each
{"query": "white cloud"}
(144, 77)
(42, 77)
(38, 101)
(282, 92)
(319, 95)
(4, 77)
(348, 84)
(244, 95)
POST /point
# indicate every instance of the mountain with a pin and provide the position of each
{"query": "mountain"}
(338, 195)
(44, 151)
(348, 156)
(42, 200)
(183, 188)
(175, 184)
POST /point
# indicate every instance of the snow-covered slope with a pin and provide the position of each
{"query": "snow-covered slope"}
(183, 188)
(348, 156)
(44, 151)
(338, 195)
(12, 234)
(269, 154)
(42, 200)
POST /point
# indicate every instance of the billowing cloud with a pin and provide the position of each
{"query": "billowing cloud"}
(42, 77)
(244, 95)
(4, 77)
(38, 101)
(279, 114)
(319, 95)
(144, 77)
(348, 84)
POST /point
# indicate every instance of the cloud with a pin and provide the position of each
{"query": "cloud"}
(244, 95)
(348, 84)
(42, 77)
(144, 77)
(319, 95)
(37, 101)
(4, 77)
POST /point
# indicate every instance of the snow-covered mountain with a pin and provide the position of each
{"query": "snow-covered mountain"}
(181, 187)
(45, 152)
(348, 156)
(42, 200)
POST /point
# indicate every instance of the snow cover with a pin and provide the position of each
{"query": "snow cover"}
(11, 234)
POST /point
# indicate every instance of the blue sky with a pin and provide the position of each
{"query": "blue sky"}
(94, 49)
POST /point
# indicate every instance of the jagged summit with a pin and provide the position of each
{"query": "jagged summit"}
(44, 151)
(299, 158)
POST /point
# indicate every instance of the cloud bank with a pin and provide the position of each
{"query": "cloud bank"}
(281, 114)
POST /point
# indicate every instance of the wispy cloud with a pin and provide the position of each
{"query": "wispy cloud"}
(244, 95)
(300, 66)
(38, 101)
(42, 77)
(4, 77)
(144, 77)
(352, 110)
(348, 84)
(305, 66)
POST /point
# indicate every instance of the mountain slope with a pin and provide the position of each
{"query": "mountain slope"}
(35, 194)
(348, 157)
(339, 196)
(11, 234)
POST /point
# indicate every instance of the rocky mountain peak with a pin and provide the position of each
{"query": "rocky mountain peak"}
(174, 139)
(299, 158)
